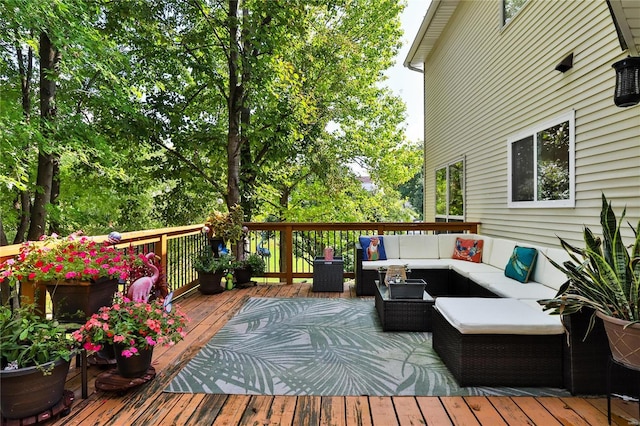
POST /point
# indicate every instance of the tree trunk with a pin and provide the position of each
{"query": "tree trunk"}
(234, 108)
(49, 60)
(23, 205)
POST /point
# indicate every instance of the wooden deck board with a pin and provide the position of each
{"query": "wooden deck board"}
(149, 405)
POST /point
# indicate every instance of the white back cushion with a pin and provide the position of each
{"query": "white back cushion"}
(552, 276)
(391, 246)
(418, 246)
(501, 252)
(447, 242)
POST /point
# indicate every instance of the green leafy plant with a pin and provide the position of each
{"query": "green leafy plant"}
(604, 276)
(225, 225)
(28, 339)
(254, 262)
(136, 325)
(206, 262)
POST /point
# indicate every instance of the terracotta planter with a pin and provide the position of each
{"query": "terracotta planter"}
(624, 342)
(27, 391)
(69, 297)
(211, 283)
(134, 366)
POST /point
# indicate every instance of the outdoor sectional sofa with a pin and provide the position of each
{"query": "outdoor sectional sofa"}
(517, 343)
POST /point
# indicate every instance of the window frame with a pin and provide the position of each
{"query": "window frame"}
(447, 217)
(533, 132)
(503, 12)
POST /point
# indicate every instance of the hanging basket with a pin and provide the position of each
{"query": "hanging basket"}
(627, 91)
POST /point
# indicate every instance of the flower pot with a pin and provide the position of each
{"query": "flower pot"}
(623, 342)
(133, 366)
(216, 243)
(243, 275)
(211, 283)
(69, 297)
(27, 391)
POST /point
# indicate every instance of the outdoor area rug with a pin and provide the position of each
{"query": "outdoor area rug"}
(312, 346)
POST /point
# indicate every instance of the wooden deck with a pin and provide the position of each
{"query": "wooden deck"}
(148, 405)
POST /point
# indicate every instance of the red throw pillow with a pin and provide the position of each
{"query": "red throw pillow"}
(469, 250)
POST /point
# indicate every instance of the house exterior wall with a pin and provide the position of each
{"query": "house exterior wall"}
(484, 83)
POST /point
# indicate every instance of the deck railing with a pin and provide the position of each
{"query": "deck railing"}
(289, 249)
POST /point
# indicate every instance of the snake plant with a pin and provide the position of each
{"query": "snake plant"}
(604, 276)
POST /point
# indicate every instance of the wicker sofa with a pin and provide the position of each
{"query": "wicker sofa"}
(583, 362)
(430, 257)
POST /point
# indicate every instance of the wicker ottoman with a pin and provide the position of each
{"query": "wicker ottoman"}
(498, 342)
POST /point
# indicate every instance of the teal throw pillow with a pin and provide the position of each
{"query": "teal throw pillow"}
(521, 263)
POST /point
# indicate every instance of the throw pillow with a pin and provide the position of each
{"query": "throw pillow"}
(469, 250)
(373, 248)
(521, 263)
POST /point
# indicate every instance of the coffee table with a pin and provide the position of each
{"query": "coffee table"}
(403, 314)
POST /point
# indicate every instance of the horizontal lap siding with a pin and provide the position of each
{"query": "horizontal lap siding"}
(484, 84)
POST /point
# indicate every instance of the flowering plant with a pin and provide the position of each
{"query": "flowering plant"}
(135, 325)
(225, 225)
(73, 257)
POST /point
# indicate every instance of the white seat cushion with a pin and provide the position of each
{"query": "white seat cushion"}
(465, 268)
(474, 315)
(504, 286)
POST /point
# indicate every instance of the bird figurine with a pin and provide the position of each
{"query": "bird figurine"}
(140, 290)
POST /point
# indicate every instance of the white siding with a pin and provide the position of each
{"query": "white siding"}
(484, 83)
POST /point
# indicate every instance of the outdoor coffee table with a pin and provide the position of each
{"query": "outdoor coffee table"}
(403, 314)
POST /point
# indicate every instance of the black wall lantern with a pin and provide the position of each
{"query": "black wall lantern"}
(627, 81)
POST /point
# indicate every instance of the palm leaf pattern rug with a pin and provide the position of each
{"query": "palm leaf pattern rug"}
(310, 346)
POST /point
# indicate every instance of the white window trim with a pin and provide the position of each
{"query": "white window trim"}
(532, 131)
(445, 166)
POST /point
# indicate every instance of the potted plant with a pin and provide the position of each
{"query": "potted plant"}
(134, 328)
(35, 353)
(605, 277)
(211, 270)
(251, 266)
(224, 227)
(79, 273)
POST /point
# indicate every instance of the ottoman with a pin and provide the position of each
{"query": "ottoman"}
(498, 342)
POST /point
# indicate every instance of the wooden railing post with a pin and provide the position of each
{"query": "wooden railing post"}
(288, 237)
(164, 238)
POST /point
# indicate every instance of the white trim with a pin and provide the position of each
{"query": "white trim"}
(571, 118)
(446, 166)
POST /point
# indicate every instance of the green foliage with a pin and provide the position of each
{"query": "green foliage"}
(254, 262)
(28, 339)
(204, 261)
(603, 275)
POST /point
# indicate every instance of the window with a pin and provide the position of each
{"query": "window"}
(450, 192)
(510, 8)
(541, 165)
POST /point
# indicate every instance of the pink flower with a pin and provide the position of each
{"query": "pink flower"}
(70, 275)
(150, 341)
(118, 338)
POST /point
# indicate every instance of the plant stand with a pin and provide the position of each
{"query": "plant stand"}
(111, 381)
(632, 371)
(62, 408)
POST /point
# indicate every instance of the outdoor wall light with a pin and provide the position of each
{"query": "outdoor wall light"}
(627, 81)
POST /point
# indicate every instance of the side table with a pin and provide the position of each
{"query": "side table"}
(328, 275)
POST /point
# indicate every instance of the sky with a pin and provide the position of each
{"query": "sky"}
(406, 83)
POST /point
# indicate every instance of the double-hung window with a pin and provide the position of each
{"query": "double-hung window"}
(541, 165)
(450, 192)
